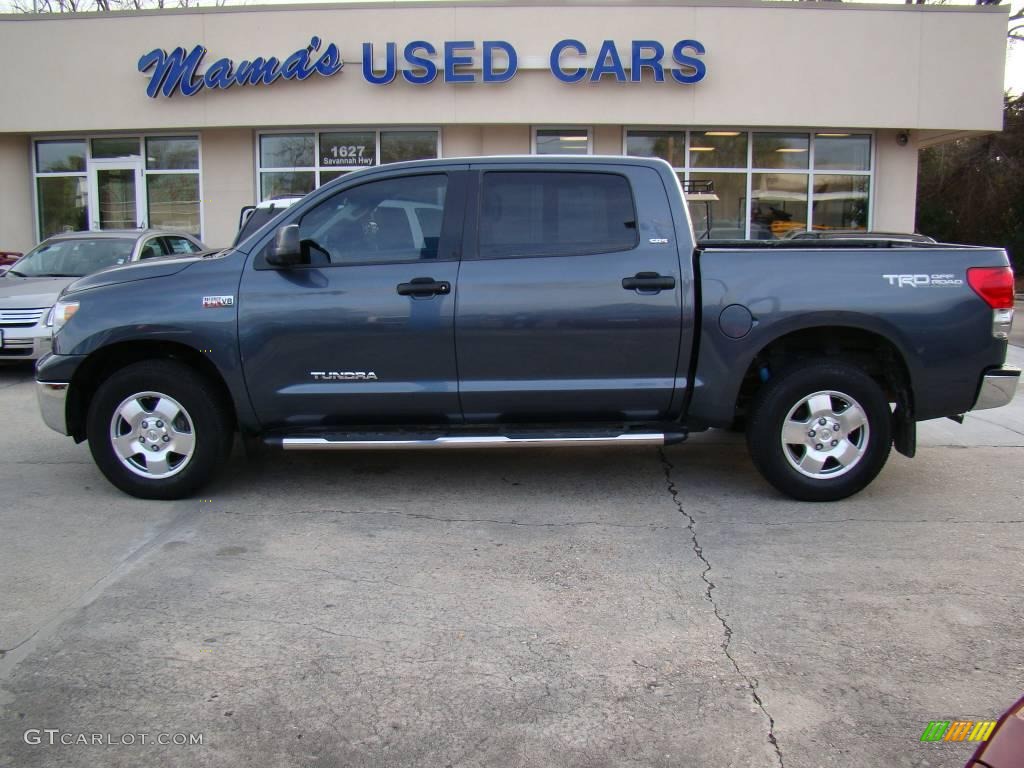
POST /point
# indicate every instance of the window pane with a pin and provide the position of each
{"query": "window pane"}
(62, 204)
(562, 142)
(781, 150)
(555, 214)
(107, 149)
(668, 145)
(391, 220)
(171, 153)
(718, 149)
(57, 156)
(180, 245)
(842, 152)
(840, 202)
(778, 204)
(326, 176)
(286, 184)
(396, 146)
(173, 200)
(287, 150)
(728, 214)
(347, 149)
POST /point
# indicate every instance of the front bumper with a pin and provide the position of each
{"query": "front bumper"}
(25, 343)
(997, 388)
(52, 397)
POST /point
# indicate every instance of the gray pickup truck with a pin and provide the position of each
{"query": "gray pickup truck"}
(534, 301)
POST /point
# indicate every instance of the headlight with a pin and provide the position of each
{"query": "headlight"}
(60, 314)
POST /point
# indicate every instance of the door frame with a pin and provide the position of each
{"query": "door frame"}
(93, 168)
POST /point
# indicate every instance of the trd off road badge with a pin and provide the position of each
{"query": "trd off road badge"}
(215, 302)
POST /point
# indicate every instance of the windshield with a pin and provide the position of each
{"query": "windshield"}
(74, 258)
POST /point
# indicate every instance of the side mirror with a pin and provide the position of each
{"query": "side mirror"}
(286, 250)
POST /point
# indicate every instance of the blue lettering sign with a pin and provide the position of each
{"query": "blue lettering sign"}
(695, 68)
(573, 75)
(490, 76)
(428, 67)
(177, 71)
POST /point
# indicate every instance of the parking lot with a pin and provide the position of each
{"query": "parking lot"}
(510, 608)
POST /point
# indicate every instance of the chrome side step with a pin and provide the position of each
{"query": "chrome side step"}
(482, 441)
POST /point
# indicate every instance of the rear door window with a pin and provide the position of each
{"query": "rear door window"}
(555, 213)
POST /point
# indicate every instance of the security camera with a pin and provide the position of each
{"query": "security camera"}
(902, 138)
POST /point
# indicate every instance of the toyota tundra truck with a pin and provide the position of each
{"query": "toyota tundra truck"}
(524, 302)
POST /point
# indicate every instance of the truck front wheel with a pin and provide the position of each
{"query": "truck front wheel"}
(820, 431)
(155, 430)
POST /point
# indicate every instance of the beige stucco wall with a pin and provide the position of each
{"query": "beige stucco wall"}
(769, 64)
(229, 181)
(16, 215)
(895, 195)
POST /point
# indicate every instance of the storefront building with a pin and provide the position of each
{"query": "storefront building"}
(799, 115)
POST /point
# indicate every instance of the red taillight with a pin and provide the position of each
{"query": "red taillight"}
(993, 284)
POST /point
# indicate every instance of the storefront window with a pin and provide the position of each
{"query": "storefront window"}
(287, 183)
(63, 205)
(778, 204)
(670, 146)
(842, 152)
(173, 201)
(347, 149)
(819, 180)
(725, 218)
(284, 150)
(166, 153)
(108, 182)
(840, 202)
(718, 149)
(397, 146)
(60, 156)
(297, 163)
(562, 141)
(110, 149)
(781, 150)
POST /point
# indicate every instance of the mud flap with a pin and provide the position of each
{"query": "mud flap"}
(904, 431)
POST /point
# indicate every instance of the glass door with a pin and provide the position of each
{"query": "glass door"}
(116, 194)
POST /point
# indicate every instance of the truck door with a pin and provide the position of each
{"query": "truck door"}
(569, 296)
(364, 333)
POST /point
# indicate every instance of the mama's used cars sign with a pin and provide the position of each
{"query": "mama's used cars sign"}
(420, 62)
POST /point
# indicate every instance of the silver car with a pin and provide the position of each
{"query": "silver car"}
(30, 287)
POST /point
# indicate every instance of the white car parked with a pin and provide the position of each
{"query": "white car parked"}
(30, 287)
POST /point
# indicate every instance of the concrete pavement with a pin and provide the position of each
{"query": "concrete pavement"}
(562, 608)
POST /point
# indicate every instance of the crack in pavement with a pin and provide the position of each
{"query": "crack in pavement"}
(691, 526)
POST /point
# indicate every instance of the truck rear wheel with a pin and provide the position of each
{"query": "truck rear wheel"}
(820, 431)
(156, 432)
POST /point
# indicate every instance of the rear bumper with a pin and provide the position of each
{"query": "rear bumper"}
(997, 388)
(52, 397)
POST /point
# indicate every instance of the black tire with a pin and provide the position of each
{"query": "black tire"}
(201, 416)
(827, 470)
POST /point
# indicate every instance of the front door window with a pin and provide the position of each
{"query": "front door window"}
(117, 198)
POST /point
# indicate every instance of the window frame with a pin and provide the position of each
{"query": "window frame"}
(474, 253)
(316, 169)
(689, 171)
(87, 173)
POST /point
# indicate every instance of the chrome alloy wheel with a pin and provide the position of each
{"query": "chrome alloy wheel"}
(152, 435)
(825, 435)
